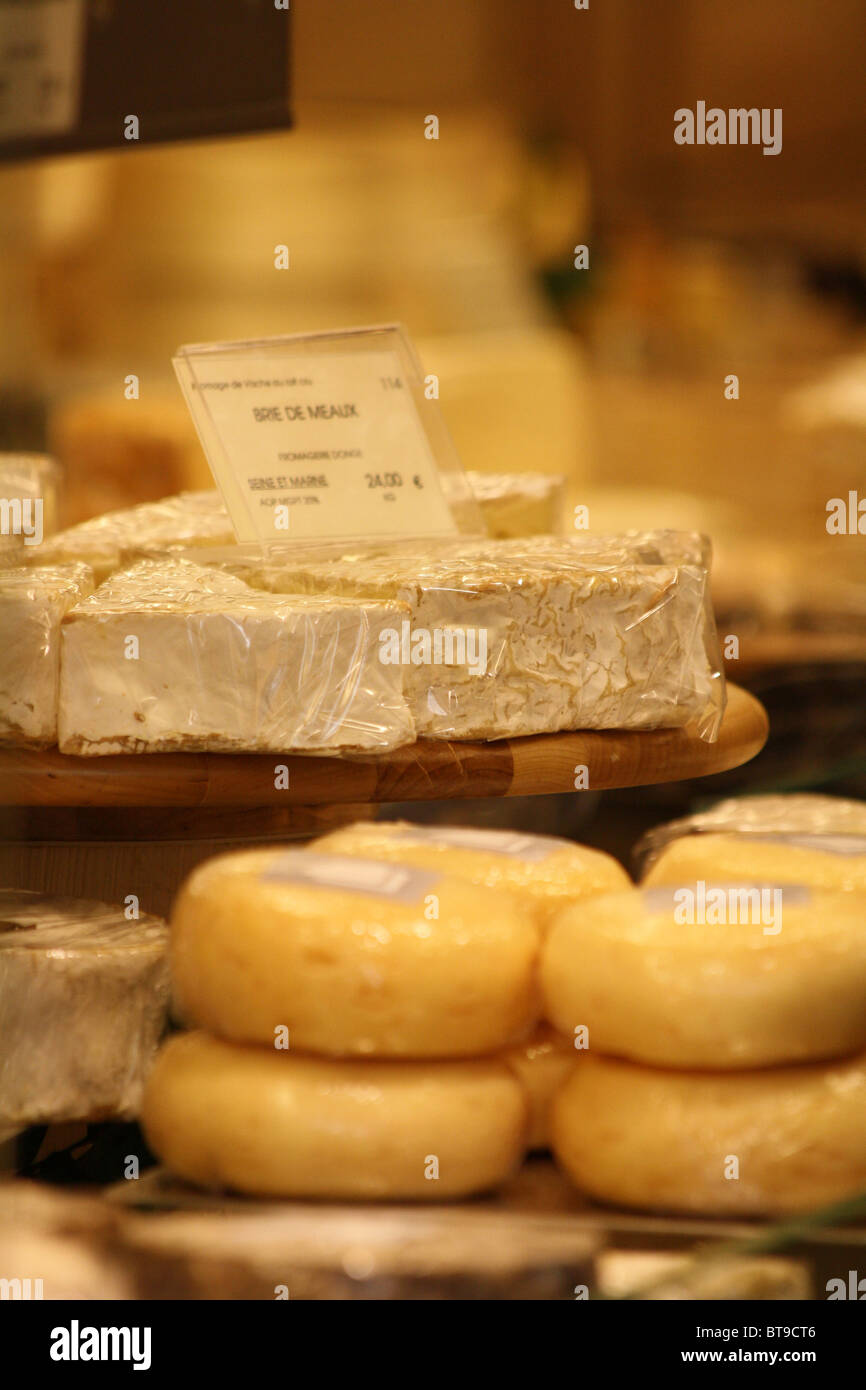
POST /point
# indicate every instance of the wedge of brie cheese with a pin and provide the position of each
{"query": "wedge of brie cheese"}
(534, 636)
(519, 504)
(33, 601)
(189, 519)
(171, 656)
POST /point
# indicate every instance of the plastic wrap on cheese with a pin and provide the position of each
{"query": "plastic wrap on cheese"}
(188, 519)
(534, 636)
(84, 997)
(171, 656)
(33, 601)
(811, 824)
(29, 486)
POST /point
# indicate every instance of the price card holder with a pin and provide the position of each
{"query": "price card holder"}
(326, 435)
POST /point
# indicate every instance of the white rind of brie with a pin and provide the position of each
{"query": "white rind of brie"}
(171, 656)
(33, 602)
(602, 632)
(189, 518)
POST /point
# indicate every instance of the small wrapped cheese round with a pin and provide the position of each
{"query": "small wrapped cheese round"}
(543, 871)
(822, 861)
(84, 996)
(711, 975)
(271, 1123)
(351, 956)
(819, 821)
(542, 1063)
(761, 1143)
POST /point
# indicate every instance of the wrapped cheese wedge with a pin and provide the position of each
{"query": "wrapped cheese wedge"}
(507, 638)
(519, 504)
(189, 518)
(170, 656)
(33, 603)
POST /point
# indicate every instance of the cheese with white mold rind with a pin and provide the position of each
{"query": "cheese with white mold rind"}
(216, 666)
(592, 633)
(33, 602)
(519, 504)
(189, 518)
(84, 996)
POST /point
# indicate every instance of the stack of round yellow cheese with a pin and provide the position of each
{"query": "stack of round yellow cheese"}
(543, 873)
(719, 1002)
(353, 1005)
(542, 1063)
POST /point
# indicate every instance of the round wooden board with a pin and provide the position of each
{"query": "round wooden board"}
(544, 763)
(424, 771)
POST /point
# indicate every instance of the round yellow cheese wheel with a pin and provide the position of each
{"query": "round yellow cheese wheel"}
(821, 861)
(541, 1064)
(353, 957)
(785, 1139)
(780, 978)
(273, 1123)
(543, 871)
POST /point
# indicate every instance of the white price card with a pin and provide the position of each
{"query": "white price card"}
(41, 45)
(327, 435)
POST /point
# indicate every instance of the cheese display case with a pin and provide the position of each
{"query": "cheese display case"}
(432, 861)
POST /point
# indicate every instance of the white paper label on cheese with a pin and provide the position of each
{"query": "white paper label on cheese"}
(344, 874)
(40, 66)
(316, 445)
(532, 848)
